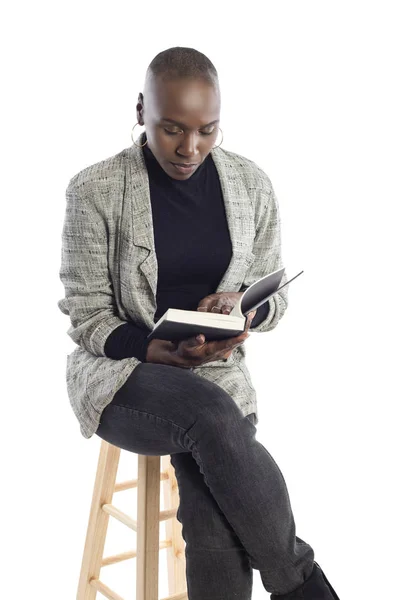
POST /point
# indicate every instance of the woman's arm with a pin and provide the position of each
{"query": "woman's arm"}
(89, 297)
(268, 257)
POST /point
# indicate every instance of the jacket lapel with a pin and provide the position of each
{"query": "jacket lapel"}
(137, 256)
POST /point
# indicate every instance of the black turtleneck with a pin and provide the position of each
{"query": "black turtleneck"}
(192, 244)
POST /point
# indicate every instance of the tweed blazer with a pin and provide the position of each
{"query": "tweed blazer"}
(109, 270)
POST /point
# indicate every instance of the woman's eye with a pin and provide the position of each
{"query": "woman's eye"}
(176, 132)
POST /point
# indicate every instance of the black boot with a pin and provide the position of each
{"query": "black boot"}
(316, 587)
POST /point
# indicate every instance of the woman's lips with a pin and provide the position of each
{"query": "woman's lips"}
(183, 169)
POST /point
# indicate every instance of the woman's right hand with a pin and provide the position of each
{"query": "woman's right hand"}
(192, 353)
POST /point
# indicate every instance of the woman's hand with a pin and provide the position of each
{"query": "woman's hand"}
(193, 351)
(222, 302)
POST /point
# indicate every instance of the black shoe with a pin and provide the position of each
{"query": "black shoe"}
(315, 587)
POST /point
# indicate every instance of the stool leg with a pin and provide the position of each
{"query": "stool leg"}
(148, 527)
(176, 561)
(98, 520)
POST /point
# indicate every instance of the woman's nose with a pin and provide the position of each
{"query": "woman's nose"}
(188, 146)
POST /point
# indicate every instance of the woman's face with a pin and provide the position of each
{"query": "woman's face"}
(182, 122)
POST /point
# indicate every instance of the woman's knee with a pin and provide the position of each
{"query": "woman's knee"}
(219, 417)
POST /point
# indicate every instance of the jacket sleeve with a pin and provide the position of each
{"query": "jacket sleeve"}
(89, 298)
(126, 341)
(268, 257)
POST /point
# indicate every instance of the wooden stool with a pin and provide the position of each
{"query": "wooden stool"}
(147, 527)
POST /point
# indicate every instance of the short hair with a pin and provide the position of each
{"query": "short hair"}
(181, 62)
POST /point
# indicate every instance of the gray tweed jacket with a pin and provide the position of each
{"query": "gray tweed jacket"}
(109, 270)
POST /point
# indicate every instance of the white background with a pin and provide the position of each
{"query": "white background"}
(309, 92)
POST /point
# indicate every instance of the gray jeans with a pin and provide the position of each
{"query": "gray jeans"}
(234, 505)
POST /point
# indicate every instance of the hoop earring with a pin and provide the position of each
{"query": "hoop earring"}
(221, 140)
(138, 145)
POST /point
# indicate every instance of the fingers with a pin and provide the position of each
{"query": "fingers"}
(198, 350)
(249, 319)
(196, 340)
(195, 349)
(229, 344)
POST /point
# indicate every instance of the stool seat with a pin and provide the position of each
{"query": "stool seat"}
(146, 526)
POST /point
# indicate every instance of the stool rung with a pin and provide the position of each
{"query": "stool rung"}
(132, 483)
(111, 595)
(104, 589)
(179, 596)
(168, 514)
(115, 558)
(113, 511)
(118, 514)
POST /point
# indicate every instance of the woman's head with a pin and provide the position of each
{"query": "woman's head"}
(180, 107)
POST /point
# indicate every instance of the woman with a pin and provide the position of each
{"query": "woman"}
(176, 221)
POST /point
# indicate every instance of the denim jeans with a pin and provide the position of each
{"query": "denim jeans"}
(234, 505)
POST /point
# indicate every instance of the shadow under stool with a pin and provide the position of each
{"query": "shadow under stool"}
(147, 527)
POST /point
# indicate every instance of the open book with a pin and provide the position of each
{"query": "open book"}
(177, 324)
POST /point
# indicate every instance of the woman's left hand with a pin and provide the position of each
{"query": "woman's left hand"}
(221, 302)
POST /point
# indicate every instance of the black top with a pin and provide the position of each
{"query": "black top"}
(193, 248)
